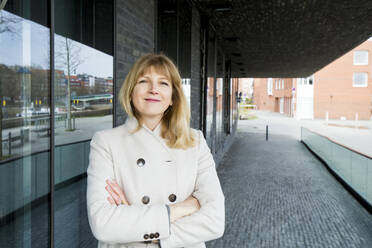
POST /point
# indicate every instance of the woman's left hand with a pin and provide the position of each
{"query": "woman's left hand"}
(117, 195)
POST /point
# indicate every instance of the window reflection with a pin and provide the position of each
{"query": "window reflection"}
(219, 100)
(84, 90)
(25, 125)
(186, 86)
(209, 117)
(211, 78)
(219, 117)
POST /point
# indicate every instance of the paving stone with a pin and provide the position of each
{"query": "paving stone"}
(279, 195)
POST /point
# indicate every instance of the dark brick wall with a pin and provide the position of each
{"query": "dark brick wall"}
(135, 30)
(195, 69)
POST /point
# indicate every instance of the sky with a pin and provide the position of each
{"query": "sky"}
(28, 44)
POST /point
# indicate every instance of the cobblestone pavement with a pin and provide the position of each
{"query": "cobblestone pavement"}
(277, 194)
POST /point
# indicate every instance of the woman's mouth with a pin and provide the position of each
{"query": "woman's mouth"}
(152, 100)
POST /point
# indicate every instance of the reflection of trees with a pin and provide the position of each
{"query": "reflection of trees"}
(8, 87)
(68, 57)
(7, 23)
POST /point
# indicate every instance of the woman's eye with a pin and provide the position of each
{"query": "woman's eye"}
(164, 83)
(142, 81)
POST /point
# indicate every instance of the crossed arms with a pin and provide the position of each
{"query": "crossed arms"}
(199, 218)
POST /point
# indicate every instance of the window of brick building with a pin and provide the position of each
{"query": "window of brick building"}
(360, 57)
(270, 86)
(360, 79)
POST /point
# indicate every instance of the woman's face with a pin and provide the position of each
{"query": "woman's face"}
(152, 94)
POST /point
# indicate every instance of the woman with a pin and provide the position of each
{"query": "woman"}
(152, 181)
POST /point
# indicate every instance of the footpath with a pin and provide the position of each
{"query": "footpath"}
(356, 135)
(279, 195)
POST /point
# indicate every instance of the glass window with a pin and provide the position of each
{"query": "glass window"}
(24, 124)
(219, 100)
(360, 79)
(269, 86)
(360, 57)
(83, 105)
(186, 86)
(211, 75)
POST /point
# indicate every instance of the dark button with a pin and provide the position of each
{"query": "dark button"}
(157, 235)
(152, 235)
(146, 236)
(172, 197)
(140, 162)
(145, 199)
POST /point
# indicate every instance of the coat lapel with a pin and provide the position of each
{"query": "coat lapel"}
(154, 137)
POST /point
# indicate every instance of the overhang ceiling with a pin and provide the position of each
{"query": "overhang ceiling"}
(287, 38)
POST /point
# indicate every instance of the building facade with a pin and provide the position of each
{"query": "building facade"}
(62, 64)
(340, 90)
(274, 94)
(343, 89)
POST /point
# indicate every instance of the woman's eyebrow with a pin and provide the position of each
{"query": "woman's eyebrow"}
(164, 78)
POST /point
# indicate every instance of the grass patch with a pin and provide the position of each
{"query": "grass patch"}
(244, 114)
(70, 130)
(5, 157)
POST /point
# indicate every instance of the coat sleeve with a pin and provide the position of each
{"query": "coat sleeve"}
(123, 223)
(209, 222)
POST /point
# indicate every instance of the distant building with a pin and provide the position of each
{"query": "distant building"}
(340, 90)
(274, 94)
(246, 87)
(344, 87)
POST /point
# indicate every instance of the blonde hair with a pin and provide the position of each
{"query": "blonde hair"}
(175, 123)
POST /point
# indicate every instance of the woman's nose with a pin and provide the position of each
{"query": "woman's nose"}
(154, 88)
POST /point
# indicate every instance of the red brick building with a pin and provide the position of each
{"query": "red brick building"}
(340, 90)
(273, 94)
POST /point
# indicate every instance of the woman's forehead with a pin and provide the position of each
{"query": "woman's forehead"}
(159, 69)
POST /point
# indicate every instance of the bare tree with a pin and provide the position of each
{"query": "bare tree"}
(68, 56)
(8, 22)
(7, 25)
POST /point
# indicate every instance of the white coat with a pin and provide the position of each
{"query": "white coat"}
(143, 165)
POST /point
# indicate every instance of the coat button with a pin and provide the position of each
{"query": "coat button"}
(172, 197)
(157, 235)
(152, 235)
(145, 199)
(146, 236)
(140, 162)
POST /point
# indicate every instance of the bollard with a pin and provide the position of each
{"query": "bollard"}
(10, 143)
(356, 120)
(267, 132)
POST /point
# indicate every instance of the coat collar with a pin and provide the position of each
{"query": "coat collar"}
(132, 124)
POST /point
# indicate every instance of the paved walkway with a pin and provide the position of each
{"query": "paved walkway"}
(355, 135)
(279, 195)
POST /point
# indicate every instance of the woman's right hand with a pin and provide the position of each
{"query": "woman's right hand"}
(117, 195)
(184, 208)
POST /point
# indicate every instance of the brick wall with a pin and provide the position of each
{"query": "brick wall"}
(334, 92)
(263, 101)
(135, 30)
(195, 70)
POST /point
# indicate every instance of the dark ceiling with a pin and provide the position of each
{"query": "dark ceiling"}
(287, 38)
